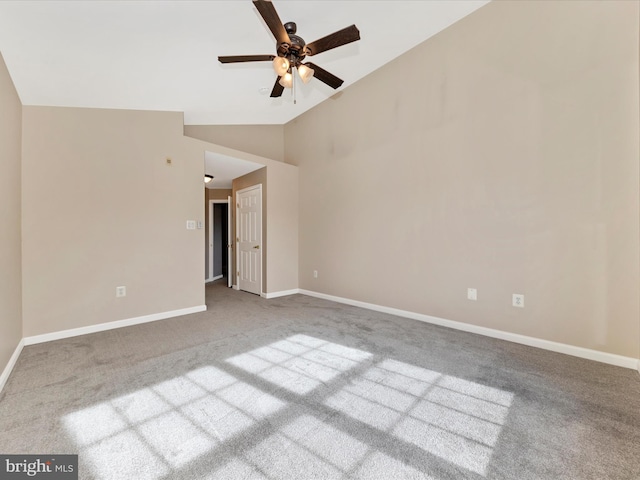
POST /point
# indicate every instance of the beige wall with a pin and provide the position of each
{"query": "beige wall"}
(507, 148)
(94, 230)
(263, 140)
(10, 249)
(282, 229)
(217, 193)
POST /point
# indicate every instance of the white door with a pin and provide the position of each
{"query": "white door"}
(229, 242)
(249, 239)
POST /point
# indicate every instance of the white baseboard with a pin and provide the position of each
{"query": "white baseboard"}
(208, 280)
(282, 293)
(101, 327)
(217, 277)
(235, 287)
(12, 363)
(610, 358)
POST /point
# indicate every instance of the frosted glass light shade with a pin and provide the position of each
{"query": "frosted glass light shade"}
(280, 65)
(305, 73)
(287, 80)
(208, 178)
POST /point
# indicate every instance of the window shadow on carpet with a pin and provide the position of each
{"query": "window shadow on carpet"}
(297, 407)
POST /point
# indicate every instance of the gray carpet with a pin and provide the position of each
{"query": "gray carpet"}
(302, 388)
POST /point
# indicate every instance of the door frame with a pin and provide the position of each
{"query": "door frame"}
(236, 285)
(210, 277)
(229, 241)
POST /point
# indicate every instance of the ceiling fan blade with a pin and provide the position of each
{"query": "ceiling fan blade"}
(324, 76)
(277, 89)
(333, 40)
(246, 58)
(271, 18)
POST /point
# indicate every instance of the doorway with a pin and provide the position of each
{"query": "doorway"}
(219, 240)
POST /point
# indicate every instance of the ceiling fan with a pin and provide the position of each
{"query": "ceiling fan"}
(291, 50)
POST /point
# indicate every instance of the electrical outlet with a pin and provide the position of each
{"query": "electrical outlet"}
(121, 292)
(472, 294)
(315, 274)
(518, 300)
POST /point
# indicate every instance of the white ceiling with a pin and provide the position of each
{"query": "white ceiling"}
(162, 55)
(224, 169)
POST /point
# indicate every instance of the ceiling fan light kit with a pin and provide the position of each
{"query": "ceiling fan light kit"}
(305, 73)
(280, 65)
(291, 50)
(286, 80)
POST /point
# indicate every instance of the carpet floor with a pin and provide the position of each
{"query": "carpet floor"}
(303, 388)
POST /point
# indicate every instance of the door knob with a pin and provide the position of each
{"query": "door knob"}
(257, 246)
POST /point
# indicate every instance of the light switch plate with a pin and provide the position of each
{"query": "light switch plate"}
(191, 224)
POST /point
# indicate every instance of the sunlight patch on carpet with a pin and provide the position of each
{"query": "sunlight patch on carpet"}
(454, 419)
(299, 363)
(153, 431)
(371, 408)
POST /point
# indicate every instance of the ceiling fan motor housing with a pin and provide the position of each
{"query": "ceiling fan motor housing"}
(294, 52)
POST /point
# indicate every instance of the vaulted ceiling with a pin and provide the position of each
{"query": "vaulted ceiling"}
(162, 55)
